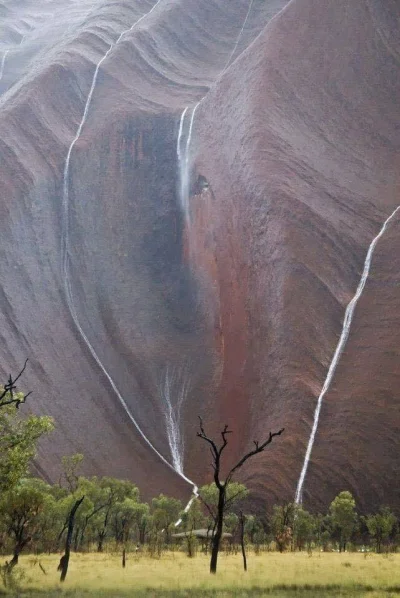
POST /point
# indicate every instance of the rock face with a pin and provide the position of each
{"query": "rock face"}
(234, 313)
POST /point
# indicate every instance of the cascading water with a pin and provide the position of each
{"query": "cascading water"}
(174, 390)
(181, 153)
(66, 258)
(348, 317)
(184, 163)
(2, 63)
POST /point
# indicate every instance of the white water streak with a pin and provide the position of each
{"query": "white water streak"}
(181, 161)
(66, 256)
(174, 391)
(348, 317)
(2, 63)
(79, 132)
(186, 509)
(181, 124)
(184, 158)
(239, 36)
(185, 168)
(184, 163)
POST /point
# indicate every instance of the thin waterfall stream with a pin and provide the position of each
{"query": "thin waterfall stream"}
(183, 162)
(174, 389)
(66, 258)
(184, 156)
(348, 317)
(2, 63)
(184, 165)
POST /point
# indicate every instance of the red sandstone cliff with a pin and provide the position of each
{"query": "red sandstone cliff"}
(309, 175)
(298, 143)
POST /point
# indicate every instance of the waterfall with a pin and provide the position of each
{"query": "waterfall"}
(174, 391)
(66, 255)
(184, 164)
(181, 162)
(2, 63)
(348, 317)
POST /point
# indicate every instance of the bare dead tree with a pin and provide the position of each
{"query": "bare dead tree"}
(222, 485)
(64, 561)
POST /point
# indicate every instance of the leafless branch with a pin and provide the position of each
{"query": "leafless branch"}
(209, 509)
(259, 448)
(9, 389)
(222, 486)
(204, 436)
(224, 434)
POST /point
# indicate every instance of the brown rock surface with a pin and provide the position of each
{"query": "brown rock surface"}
(305, 182)
(298, 141)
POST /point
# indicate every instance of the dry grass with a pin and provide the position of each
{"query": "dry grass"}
(270, 574)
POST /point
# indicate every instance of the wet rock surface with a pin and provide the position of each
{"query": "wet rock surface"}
(294, 156)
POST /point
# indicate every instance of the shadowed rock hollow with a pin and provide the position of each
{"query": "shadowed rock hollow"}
(295, 162)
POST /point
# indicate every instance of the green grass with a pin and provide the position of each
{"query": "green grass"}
(272, 575)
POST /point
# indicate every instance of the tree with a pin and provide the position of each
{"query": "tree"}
(209, 496)
(89, 516)
(50, 522)
(71, 465)
(18, 436)
(242, 520)
(282, 521)
(105, 493)
(380, 526)
(305, 526)
(194, 517)
(64, 561)
(254, 530)
(20, 510)
(166, 511)
(144, 525)
(223, 485)
(343, 517)
(125, 517)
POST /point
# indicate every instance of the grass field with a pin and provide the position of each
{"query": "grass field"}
(270, 574)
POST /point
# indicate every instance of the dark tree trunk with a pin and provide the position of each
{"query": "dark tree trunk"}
(216, 453)
(242, 521)
(64, 561)
(100, 543)
(124, 558)
(82, 538)
(76, 541)
(14, 561)
(103, 533)
(218, 530)
(20, 545)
